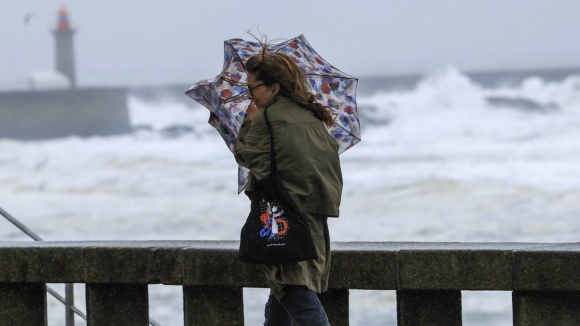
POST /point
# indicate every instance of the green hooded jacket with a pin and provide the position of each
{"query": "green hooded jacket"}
(306, 155)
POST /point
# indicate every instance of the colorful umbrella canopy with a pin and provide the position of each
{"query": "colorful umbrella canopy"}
(226, 94)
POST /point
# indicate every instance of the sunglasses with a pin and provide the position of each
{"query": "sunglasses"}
(251, 88)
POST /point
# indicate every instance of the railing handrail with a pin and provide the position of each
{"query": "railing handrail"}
(52, 292)
(19, 225)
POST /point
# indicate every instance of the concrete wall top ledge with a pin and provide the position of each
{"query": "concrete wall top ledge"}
(336, 246)
(356, 265)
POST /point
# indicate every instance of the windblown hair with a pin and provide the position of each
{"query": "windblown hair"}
(279, 68)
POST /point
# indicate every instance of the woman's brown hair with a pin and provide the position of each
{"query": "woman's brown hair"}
(279, 68)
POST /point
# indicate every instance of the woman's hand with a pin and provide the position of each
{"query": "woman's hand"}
(251, 111)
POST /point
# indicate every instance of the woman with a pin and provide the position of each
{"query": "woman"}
(309, 167)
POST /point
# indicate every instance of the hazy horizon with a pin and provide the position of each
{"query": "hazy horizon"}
(150, 43)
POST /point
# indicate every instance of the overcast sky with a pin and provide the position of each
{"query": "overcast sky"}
(148, 42)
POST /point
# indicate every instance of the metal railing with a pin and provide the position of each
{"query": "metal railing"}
(68, 299)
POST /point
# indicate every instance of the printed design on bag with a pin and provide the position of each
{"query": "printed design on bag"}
(275, 224)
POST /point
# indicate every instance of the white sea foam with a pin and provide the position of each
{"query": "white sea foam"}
(440, 163)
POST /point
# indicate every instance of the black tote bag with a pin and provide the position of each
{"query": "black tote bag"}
(275, 231)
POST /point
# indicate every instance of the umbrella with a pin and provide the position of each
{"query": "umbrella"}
(226, 94)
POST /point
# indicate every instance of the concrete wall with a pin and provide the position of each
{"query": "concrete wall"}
(31, 115)
(428, 277)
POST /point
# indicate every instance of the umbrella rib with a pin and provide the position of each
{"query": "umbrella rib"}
(241, 61)
(235, 83)
(235, 97)
(329, 75)
(343, 128)
(287, 42)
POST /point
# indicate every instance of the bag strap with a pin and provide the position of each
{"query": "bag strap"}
(274, 169)
(273, 166)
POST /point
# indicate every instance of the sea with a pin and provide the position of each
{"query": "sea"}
(446, 156)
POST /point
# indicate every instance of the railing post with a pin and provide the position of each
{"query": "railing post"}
(207, 306)
(117, 305)
(429, 308)
(23, 304)
(69, 303)
(546, 308)
(336, 305)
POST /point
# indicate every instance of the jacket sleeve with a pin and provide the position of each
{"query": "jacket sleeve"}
(252, 148)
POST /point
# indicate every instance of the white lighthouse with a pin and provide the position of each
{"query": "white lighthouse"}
(55, 108)
(64, 49)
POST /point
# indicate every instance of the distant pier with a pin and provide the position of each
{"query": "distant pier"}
(49, 114)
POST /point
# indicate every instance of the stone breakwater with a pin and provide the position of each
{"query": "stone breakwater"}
(33, 115)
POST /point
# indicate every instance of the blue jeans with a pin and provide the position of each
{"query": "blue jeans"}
(299, 304)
